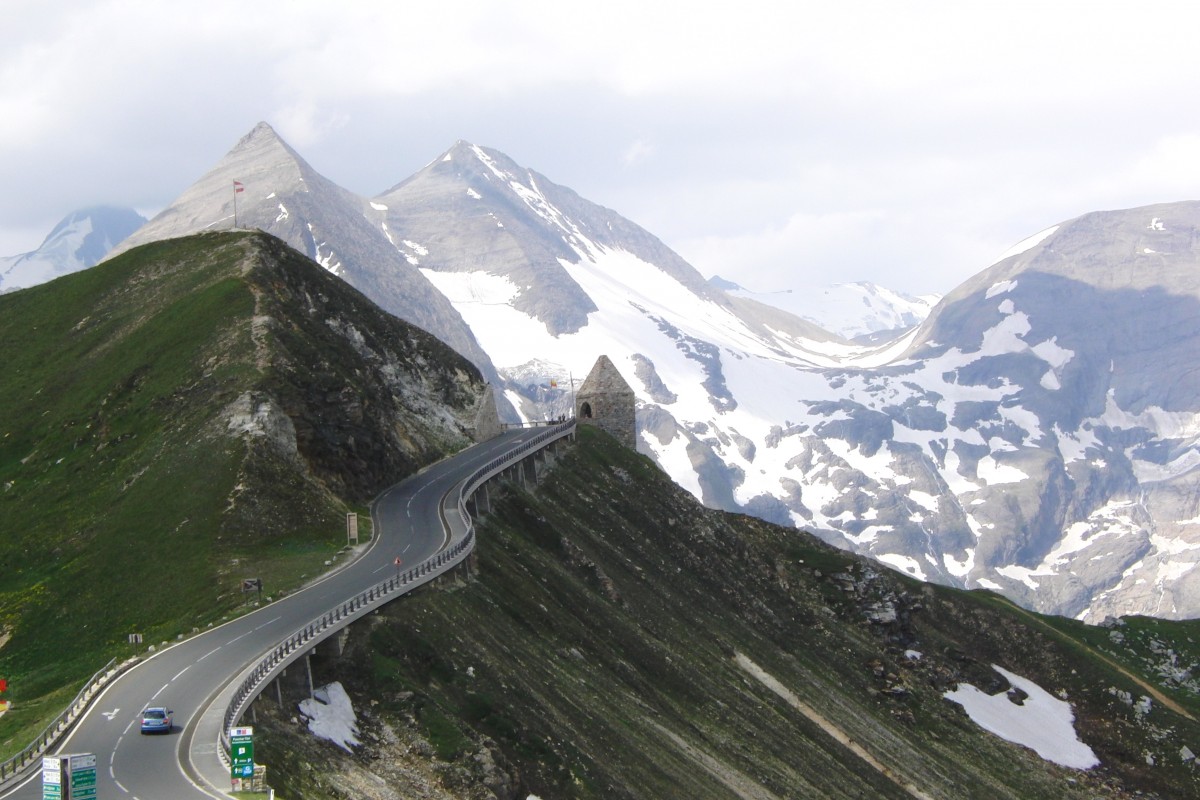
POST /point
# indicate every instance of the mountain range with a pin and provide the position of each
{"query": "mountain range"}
(1035, 435)
(204, 408)
(80, 240)
(858, 311)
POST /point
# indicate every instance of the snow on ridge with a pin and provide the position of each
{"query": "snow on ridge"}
(378, 206)
(1026, 244)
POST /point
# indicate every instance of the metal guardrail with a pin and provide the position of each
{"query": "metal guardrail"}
(307, 637)
(61, 724)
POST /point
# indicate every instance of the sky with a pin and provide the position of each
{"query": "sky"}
(779, 145)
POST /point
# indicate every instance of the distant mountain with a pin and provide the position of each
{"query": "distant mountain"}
(851, 310)
(282, 195)
(1034, 435)
(79, 241)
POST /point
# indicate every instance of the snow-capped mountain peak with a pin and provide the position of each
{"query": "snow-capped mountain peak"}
(850, 310)
(78, 241)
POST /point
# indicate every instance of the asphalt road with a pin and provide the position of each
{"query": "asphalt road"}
(187, 676)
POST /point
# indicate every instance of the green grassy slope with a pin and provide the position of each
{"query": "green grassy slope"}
(607, 646)
(132, 497)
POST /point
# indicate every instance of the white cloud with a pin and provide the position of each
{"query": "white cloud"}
(903, 143)
(639, 151)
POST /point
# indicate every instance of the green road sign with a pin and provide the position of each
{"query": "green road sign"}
(72, 777)
(241, 752)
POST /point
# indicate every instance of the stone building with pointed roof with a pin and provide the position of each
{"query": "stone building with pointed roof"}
(605, 400)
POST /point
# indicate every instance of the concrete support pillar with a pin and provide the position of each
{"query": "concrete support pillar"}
(529, 470)
(308, 669)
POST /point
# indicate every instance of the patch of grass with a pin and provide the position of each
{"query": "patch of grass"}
(443, 733)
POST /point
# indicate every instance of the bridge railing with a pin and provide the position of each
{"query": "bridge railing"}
(61, 724)
(459, 547)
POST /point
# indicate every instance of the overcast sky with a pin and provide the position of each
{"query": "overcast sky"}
(778, 144)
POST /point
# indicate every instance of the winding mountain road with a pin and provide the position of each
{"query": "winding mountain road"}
(188, 676)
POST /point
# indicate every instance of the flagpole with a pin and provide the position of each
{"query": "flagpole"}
(237, 188)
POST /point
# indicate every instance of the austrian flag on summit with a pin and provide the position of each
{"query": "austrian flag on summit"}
(237, 187)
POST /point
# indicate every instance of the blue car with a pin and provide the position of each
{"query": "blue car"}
(157, 719)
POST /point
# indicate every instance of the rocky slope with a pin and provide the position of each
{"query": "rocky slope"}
(618, 640)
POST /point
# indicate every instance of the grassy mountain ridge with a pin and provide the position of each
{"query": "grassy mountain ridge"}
(191, 413)
(619, 640)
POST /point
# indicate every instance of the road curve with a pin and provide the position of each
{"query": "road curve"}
(188, 676)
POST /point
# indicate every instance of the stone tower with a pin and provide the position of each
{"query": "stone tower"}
(605, 400)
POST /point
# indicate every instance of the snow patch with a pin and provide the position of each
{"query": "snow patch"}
(909, 566)
(993, 473)
(1042, 722)
(331, 716)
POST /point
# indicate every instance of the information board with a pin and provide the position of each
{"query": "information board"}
(71, 777)
(241, 752)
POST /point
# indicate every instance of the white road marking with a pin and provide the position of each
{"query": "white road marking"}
(119, 786)
(110, 714)
(185, 669)
(160, 691)
(206, 655)
(268, 622)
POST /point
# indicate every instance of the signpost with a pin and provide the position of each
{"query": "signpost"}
(351, 528)
(71, 777)
(83, 777)
(52, 778)
(241, 753)
(252, 584)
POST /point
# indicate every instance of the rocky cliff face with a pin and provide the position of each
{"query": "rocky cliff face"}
(1047, 414)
